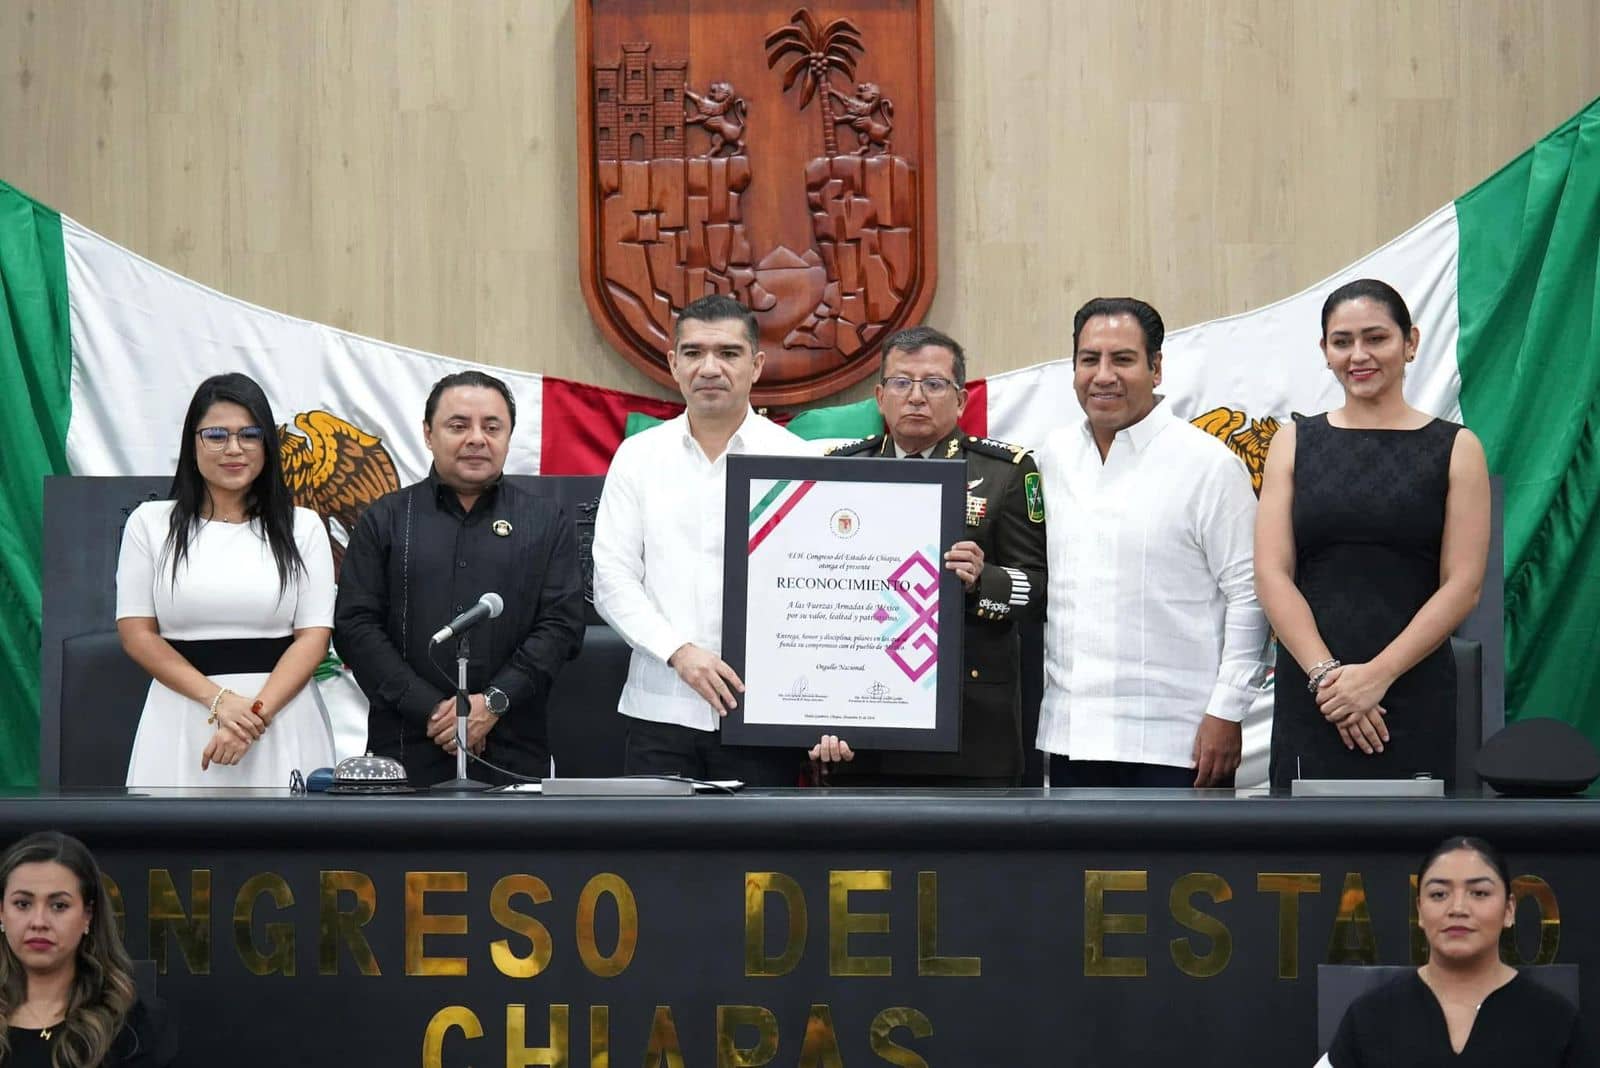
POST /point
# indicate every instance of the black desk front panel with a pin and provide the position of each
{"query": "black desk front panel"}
(817, 928)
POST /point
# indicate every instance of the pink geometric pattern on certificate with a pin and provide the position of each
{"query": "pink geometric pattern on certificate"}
(922, 635)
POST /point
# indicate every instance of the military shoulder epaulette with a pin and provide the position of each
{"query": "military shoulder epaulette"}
(855, 448)
(1000, 449)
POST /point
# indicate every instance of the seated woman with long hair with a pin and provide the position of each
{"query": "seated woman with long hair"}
(67, 998)
(1464, 1008)
(225, 596)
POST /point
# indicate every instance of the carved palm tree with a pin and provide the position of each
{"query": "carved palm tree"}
(820, 51)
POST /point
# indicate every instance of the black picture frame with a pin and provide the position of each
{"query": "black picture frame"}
(950, 477)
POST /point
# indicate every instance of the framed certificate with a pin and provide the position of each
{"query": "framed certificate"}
(837, 610)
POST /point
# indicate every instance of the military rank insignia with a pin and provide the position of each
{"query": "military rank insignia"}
(977, 508)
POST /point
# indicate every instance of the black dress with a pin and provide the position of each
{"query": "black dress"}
(1368, 520)
(1400, 1025)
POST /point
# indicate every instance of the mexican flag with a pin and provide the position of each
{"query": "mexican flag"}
(101, 349)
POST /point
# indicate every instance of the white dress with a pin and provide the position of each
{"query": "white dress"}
(227, 587)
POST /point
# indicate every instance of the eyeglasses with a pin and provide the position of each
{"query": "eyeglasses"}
(932, 388)
(216, 438)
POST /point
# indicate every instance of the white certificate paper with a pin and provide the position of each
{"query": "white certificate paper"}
(842, 610)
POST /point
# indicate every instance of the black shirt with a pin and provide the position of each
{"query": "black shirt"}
(1400, 1025)
(147, 1040)
(416, 559)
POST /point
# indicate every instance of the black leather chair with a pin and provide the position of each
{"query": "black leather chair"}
(1469, 713)
(586, 730)
(102, 695)
(1340, 984)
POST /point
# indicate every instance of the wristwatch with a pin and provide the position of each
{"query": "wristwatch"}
(496, 701)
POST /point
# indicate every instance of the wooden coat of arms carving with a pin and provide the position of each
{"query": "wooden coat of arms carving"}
(782, 154)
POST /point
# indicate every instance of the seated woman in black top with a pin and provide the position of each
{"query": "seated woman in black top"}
(1465, 1007)
(67, 998)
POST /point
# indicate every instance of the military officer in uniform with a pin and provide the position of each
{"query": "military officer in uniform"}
(1001, 562)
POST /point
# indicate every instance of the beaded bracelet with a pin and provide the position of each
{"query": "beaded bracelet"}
(215, 701)
(1319, 672)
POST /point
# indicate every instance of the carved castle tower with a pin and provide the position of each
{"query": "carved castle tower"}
(639, 107)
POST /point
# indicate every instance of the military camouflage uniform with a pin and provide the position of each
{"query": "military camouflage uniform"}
(1005, 517)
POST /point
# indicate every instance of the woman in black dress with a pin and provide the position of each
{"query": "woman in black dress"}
(67, 998)
(1465, 1008)
(1371, 539)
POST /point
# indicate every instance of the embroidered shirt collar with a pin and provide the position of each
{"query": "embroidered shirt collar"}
(1139, 436)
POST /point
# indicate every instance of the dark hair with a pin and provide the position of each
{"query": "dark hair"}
(1149, 320)
(102, 989)
(1372, 289)
(268, 498)
(474, 379)
(714, 309)
(913, 338)
(1489, 853)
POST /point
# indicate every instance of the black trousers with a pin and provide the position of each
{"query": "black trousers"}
(670, 749)
(1064, 771)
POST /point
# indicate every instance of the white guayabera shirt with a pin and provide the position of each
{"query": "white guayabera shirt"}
(658, 556)
(1153, 618)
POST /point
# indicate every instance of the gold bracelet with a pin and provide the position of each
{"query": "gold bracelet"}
(215, 701)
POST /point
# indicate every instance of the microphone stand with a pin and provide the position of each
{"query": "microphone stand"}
(461, 784)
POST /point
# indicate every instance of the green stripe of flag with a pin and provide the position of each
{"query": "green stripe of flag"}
(766, 501)
(35, 405)
(1529, 355)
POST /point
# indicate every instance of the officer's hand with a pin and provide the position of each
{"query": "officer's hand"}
(706, 674)
(825, 754)
(832, 750)
(965, 558)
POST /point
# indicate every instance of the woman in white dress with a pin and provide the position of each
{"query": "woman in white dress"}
(225, 596)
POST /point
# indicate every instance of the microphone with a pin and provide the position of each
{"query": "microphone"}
(489, 606)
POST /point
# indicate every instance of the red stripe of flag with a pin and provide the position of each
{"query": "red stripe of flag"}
(581, 426)
(777, 517)
(975, 417)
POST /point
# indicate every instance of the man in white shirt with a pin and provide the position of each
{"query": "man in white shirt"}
(658, 554)
(1155, 641)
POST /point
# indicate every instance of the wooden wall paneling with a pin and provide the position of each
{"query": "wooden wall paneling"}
(350, 267)
(1417, 145)
(1250, 67)
(106, 73)
(1567, 55)
(1335, 136)
(1172, 233)
(1250, 64)
(1412, 64)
